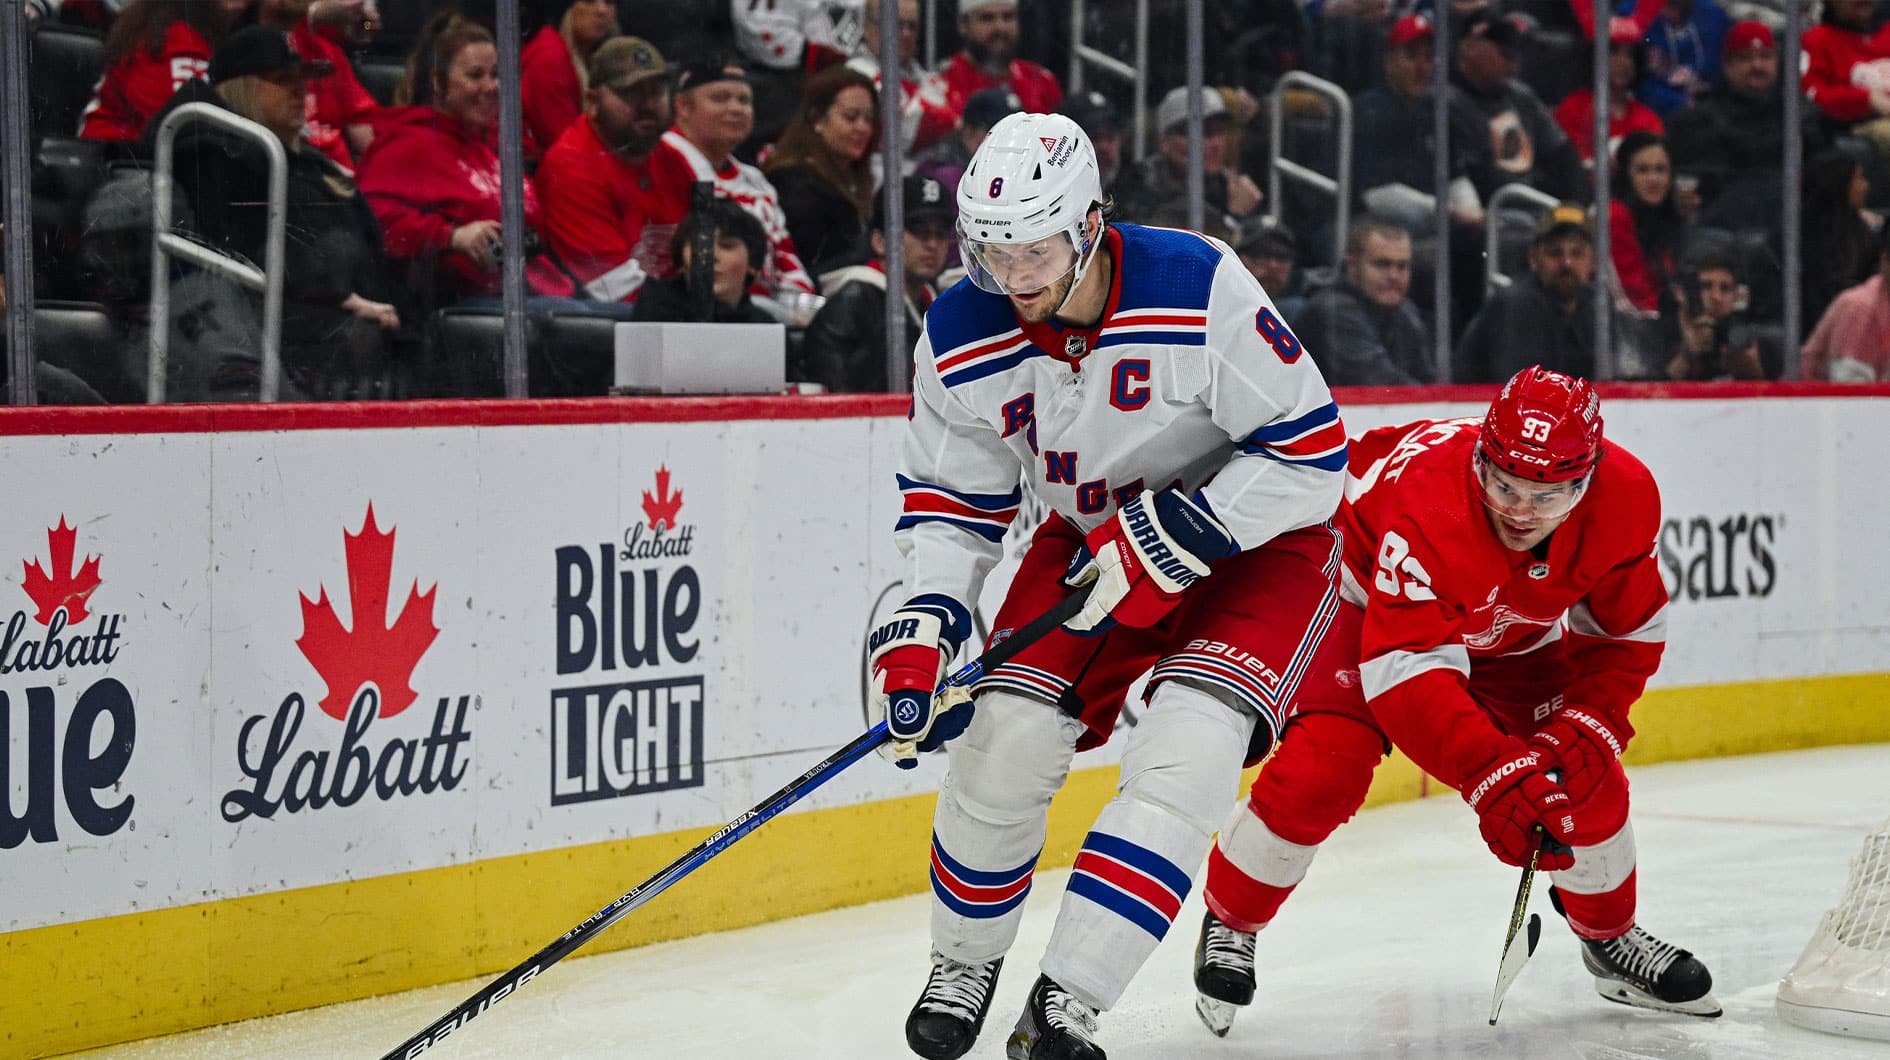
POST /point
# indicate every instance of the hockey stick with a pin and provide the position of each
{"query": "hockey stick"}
(1513, 957)
(724, 837)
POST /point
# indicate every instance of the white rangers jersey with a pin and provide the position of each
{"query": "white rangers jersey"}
(1190, 380)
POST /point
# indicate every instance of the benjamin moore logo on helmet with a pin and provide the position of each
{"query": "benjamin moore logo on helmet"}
(1061, 150)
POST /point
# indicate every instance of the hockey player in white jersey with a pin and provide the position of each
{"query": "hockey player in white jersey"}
(1143, 387)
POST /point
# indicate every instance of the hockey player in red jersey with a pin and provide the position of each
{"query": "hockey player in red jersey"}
(1141, 386)
(1513, 612)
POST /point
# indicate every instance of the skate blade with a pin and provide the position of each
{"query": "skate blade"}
(1620, 993)
(1216, 1014)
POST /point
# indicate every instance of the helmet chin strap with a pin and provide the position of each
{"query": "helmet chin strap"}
(1083, 263)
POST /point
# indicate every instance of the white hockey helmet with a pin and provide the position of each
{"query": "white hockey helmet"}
(1024, 202)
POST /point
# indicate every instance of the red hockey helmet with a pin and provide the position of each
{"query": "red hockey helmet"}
(1544, 426)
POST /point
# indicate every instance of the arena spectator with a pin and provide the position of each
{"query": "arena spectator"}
(922, 122)
(594, 180)
(1099, 120)
(340, 112)
(740, 249)
(1852, 341)
(1271, 254)
(336, 306)
(1709, 336)
(946, 160)
(822, 168)
(845, 347)
(1155, 190)
(1392, 149)
(1840, 238)
(988, 59)
(1733, 139)
(432, 176)
(791, 35)
(1524, 143)
(554, 69)
(1363, 330)
(714, 106)
(1683, 51)
(1576, 113)
(1847, 70)
(1645, 228)
(153, 48)
(1546, 317)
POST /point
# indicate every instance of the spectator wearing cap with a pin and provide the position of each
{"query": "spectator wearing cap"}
(822, 168)
(845, 348)
(336, 313)
(922, 121)
(1271, 253)
(715, 112)
(1733, 139)
(1097, 117)
(1683, 50)
(741, 247)
(432, 176)
(1546, 317)
(595, 180)
(1851, 343)
(1847, 71)
(1524, 144)
(947, 160)
(1626, 63)
(988, 59)
(1392, 141)
(1155, 190)
(341, 113)
(554, 69)
(153, 48)
(1363, 330)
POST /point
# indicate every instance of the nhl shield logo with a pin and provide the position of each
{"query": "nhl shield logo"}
(1075, 345)
(1539, 571)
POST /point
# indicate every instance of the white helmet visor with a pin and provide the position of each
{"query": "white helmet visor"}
(1007, 268)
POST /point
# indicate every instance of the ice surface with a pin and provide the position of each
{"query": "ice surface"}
(1389, 949)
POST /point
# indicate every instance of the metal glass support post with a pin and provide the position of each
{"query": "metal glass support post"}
(1604, 256)
(512, 198)
(1440, 189)
(1793, 200)
(15, 154)
(1196, 208)
(892, 154)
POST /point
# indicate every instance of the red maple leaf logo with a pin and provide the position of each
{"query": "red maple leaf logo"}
(61, 586)
(663, 507)
(372, 651)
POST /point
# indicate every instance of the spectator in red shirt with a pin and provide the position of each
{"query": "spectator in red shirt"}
(432, 176)
(554, 69)
(989, 60)
(922, 122)
(153, 48)
(822, 168)
(1626, 63)
(1645, 227)
(596, 178)
(1847, 70)
(340, 111)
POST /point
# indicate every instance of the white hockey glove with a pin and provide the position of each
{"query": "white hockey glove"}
(1138, 564)
(910, 653)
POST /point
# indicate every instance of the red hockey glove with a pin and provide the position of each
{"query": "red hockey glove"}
(1581, 746)
(1513, 798)
(1138, 563)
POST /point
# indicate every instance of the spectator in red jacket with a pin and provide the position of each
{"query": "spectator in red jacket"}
(1847, 70)
(1626, 64)
(153, 48)
(340, 112)
(822, 168)
(989, 60)
(595, 179)
(554, 69)
(1645, 229)
(922, 121)
(432, 176)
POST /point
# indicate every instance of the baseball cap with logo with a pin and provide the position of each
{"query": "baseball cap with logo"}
(1173, 109)
(984, 108)
(924, 198)
(705, 71)
(256, 51)
(1749, 36)
(1407, 29)
(1564, 217)
(623, 62)
(1501, 30)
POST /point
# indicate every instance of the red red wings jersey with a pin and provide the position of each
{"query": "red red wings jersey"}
(139, 84)
(1441, 591)
(960, 78)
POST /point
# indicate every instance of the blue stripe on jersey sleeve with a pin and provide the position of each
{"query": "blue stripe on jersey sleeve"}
(1293, 428)
(1165, 338)
(993, 534)
(1333, 461)
(989, 502)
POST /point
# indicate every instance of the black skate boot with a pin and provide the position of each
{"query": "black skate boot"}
(1223, 973)
(950, 1013)
(1639, 969)
(1054, 1026)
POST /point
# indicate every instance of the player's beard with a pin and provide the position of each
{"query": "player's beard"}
(1046, 302)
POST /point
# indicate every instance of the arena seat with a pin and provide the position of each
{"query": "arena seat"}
(66, 62)
(80, 337)
(380, 77)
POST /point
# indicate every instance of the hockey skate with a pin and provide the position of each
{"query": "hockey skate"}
(1054, 1026)
(1223, 974)
(950, 1012)
(1639, 969)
